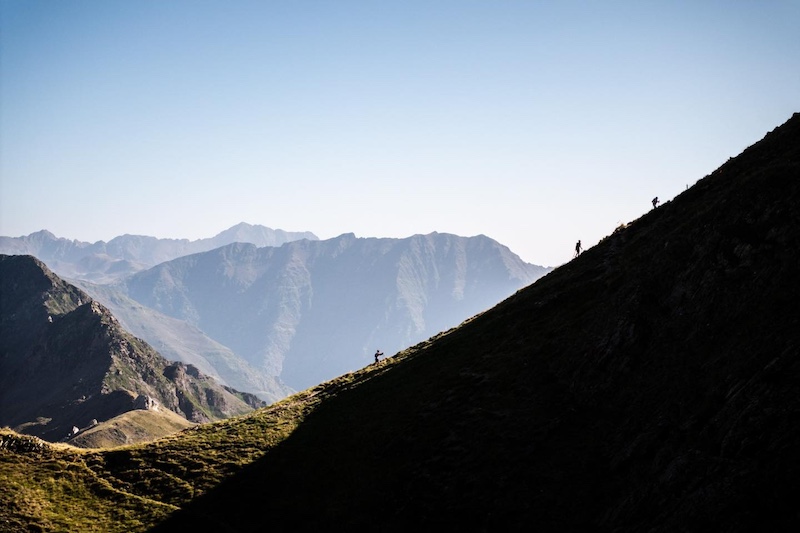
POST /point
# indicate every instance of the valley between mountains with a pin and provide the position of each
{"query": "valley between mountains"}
(264, 320)
(650, 384)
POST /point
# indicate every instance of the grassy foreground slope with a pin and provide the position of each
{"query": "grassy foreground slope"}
(57, 487)
(48, 487)
(131, 427)
(649, 385)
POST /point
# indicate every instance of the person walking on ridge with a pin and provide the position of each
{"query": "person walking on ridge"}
(378, 353)
(655, 202)
(578, 249)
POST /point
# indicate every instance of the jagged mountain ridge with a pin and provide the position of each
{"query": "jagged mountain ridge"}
(65, 361)
(121, 256)
(649, 385)
(311, 310)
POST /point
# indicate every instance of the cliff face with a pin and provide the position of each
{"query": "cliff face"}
(65, 361)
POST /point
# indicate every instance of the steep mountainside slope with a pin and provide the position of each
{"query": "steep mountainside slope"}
(312, 310)
(65, 361)
(649, 385)
(121, 256)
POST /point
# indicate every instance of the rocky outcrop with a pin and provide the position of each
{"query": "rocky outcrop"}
(201, 403)
(145, 403)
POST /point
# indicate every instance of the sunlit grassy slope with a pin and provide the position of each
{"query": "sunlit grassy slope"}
(56, 487)
(649, 385)
(131, 427)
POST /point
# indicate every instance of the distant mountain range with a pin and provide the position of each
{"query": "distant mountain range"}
(308, 310)
(65, 362)
(268, 311)
(105, 261)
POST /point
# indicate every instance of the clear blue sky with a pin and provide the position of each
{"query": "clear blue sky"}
(536, 123)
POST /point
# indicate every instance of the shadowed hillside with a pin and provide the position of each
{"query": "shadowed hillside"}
(65, 362)
(649, 385)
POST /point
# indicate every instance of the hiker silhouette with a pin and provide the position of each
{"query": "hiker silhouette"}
(578, 249)
(378, 353)
(655, 202)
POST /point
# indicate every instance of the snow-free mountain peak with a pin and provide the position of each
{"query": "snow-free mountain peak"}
(123, 255)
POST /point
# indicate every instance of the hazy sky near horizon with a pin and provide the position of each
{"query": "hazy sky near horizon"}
(536, 123)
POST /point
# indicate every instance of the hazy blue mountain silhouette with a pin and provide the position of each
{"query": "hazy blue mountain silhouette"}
(105, 261)
(308, 311)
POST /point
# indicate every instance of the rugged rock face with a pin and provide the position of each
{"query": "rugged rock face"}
(312, 310)
(146, 403)
(192, 385)
(65, 360)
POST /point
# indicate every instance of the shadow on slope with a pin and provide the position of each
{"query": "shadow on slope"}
(651, 384)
